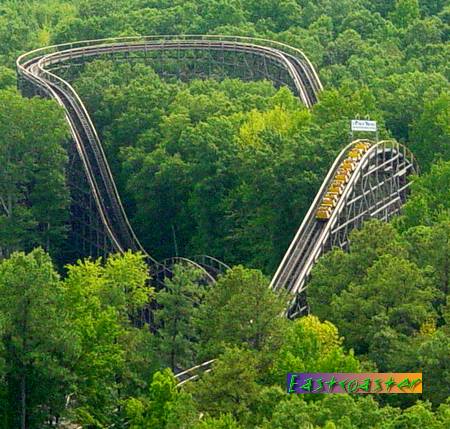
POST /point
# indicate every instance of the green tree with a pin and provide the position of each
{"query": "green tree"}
(429, 200)
(33, 192)
(380, 298)
(416, 417)
(433, 358)
(432, 7)
(346, 44)
(412, 89)
(38, 342)
(219, 13)
(7, 78)
(231, 385)
(395, 294)
(225, 421)
(100, 298)
(337, 269)
(159, 407)
(429, 247)
(311, 346)
(405, 12)
(274, 16)
(241, 310)
(430, 132)
(333, 411)
(180, 301)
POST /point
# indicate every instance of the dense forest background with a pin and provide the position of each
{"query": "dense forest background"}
(229, 168)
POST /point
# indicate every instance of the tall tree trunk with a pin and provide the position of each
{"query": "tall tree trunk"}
(446, 268)
(172, 352)
(9, 249)
(23, 402)
(23, 376)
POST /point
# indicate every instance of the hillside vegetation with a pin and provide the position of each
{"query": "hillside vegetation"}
(228, 168)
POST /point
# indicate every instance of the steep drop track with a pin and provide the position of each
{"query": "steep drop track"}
(37, 71)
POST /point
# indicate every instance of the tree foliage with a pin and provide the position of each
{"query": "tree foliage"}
(227, 168)
(240, 310)
(33, 192)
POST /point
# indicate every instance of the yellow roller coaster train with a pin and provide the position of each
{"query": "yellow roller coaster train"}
(340, 179)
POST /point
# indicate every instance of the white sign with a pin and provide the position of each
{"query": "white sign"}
(362, 125)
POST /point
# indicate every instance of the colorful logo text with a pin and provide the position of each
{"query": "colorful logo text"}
(354, 383)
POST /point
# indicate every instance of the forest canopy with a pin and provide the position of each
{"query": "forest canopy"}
(229, 168)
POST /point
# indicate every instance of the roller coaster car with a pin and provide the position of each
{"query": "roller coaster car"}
(358, 149)
(355, 154)
(363, 146)
(332, 195)
(343, 171)
(336, 186)
(343, 177)
(336, 189)
(349, 164)
(323, 213)
(328, 202)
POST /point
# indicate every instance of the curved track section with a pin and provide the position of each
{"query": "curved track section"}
(377, 188)
(37, 72)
